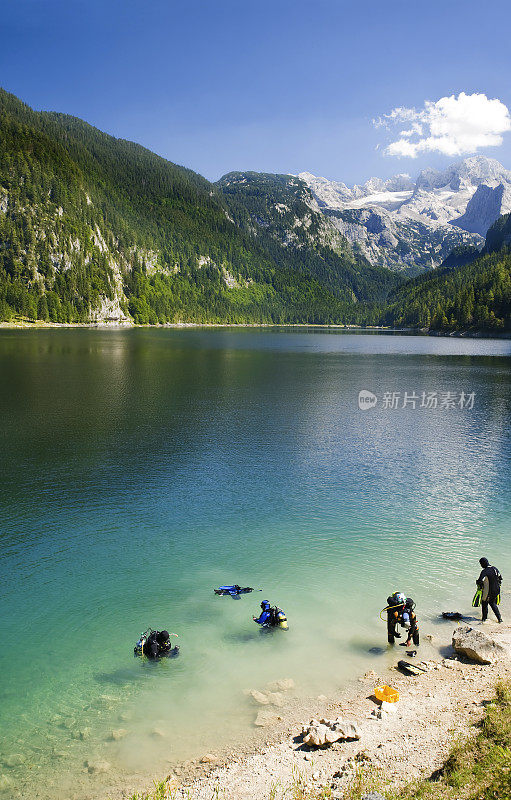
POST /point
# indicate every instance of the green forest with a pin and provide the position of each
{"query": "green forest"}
(470, 291)
(94, 228)
(86, 219)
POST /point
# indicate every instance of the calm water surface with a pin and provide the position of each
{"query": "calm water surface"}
(142, 468)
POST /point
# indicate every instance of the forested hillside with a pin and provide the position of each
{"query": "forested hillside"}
(470, 291)
(93, 227)
(282, 210)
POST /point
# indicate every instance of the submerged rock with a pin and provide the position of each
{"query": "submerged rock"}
(14, 760)
(83, 734)
(276, 699)
(97, 767)
(477, 645)
(259, 697)
(284, 685)
(6, 783)
(118, 734)
(266, 718)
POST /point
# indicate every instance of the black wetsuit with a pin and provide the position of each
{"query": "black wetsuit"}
(494, 581)
(395, 618)
(154, 646)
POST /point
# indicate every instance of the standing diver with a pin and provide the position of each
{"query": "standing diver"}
(400, 611)
(271, 617)
(488, 584)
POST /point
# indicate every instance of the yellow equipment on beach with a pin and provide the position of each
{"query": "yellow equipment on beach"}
(386, 694)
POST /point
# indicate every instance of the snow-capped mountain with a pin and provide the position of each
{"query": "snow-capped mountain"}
(399, 222)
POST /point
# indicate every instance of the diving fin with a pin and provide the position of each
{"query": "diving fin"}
(410, 669)
(476, 601)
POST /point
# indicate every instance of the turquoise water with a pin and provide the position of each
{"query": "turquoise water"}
(142, 468)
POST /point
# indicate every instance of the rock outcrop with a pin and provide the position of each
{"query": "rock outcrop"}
(327, 731)
(477, 645)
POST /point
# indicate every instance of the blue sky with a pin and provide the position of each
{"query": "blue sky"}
(274, 86)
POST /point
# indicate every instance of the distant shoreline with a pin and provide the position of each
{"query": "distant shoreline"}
(40, 325)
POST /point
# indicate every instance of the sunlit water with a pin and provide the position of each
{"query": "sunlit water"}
(142, 468)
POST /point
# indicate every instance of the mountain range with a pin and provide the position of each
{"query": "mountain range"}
(94, 228)
(402, 222)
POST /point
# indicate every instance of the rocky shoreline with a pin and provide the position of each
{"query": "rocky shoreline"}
(128, 324)
(388, 745)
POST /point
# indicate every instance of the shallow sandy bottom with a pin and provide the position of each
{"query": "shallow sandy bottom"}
(432, 712)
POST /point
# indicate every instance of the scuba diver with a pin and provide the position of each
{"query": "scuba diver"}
(488, 590)
(234, 590)
(156, 644)
(400, 611)
(271, 617)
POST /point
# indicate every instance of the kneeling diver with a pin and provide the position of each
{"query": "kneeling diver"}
(400, 612)
(156, 644)
(271, 617)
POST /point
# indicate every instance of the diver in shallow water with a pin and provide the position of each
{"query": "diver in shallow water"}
(271, 617)
(489, 582)
(156, 644)
(400, 613)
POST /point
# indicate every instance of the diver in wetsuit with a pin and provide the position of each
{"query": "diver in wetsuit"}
(157, 644)
(271, 617)
(265, 615)
(400, 612)
(489, 582)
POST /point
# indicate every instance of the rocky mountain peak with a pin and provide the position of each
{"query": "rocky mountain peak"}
(440, 209)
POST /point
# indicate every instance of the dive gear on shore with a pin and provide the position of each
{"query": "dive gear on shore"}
(454, 615)
(411, 669)
(386, 694)
(155, 644)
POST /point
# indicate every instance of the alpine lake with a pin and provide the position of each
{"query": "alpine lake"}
(142, 468)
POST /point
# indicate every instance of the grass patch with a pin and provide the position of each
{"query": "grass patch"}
(478, 768)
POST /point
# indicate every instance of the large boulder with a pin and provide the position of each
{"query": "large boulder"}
(477, 645)
(327, 731)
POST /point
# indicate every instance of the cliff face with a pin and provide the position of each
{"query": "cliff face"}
(484, 207)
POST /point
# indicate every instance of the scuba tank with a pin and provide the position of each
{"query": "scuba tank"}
(138, 650)
(278, 619)
(281, 620)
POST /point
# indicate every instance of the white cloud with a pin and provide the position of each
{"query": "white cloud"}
(452, 125)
